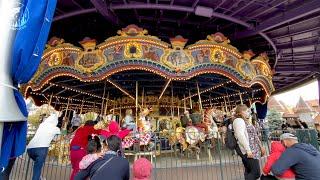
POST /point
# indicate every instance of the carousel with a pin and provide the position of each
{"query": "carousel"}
(155, 82)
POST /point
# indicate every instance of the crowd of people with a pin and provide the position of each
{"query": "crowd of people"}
(95, 153)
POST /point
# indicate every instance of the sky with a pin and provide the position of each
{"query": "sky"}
(307, 92)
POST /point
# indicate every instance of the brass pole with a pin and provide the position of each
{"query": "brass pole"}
(190, 99)
(106, 107)
(184, 103)
(48, 107)
(142, 97)
(178, 106)
(172, 104)
(137, 102)
(81, 105)
(240, 97)
(199, 96)
(104, 92)
(65, 114)
(114, 107)
(210, 101)
(225, 104)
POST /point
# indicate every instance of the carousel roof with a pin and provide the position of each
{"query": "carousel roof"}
(287, 30)
(162, 74)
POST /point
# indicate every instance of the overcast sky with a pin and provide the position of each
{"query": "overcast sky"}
(307, 92)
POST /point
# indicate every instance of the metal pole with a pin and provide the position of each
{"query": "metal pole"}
(81, 105)
(104, 92)
(105, 109)
(184, 103)
(48, 107)
(240, 98)
(137, 102)
(199, 96)
(210, 101)
(190, 99)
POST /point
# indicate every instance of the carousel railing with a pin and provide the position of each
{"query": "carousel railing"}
(209, 159)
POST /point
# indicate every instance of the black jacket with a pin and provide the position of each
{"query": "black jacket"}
(116, 169)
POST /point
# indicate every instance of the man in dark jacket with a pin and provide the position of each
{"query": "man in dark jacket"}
(302, 158)
(111, 167)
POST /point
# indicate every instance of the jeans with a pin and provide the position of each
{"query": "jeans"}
(132, 127)
(251, 166)
(38, 155)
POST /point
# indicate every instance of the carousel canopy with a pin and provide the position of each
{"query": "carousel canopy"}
(287, 30)
(112, 72)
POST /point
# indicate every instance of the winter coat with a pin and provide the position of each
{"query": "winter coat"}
(116, 169)
(302, 158)
(276, 150)
(81, 136)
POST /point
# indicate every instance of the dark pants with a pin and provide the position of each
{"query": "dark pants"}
(38, 155)
(251, 166)
(267, 177)
(6, 173)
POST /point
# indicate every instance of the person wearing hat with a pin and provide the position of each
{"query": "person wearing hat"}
(79, 143)
(185, 120)
(142, 169)
(112, 166)
(302, 158)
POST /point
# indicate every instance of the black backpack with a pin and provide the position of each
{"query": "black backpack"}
(231, 141)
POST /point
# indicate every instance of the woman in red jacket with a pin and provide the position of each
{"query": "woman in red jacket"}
(276, 150)
(78, 145)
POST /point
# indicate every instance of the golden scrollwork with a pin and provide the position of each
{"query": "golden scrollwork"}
(217, 55)
(55, 59)
(133, 50)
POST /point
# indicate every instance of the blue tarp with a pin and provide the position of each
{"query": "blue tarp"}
(33, 28)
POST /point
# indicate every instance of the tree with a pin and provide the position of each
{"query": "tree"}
(274, 118)
(34, 119)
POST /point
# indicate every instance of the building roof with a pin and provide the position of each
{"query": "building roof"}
(314, 105)
(274, 104)
(316, 120)
(302, 106)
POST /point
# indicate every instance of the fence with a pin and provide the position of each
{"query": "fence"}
(210, 159)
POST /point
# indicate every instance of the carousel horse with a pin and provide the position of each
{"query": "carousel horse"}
(144, 132)
(188, 137)
(213, 130)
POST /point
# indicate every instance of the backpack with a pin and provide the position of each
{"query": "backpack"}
(231, 141)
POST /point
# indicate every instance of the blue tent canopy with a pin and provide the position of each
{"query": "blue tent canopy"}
(33, 29)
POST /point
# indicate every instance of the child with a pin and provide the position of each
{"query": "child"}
(142, 169)
(276, 150)
(93, 152)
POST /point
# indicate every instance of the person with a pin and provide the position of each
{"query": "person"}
(37, 148)
(196, 119)
(302, 158)
(248, 147)
(76, 121)
(142, 169)
(78, 145)
(185, 120)
(93, 151)
(110, 166)
(276, 150)
(115, 130)
(130, 125)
